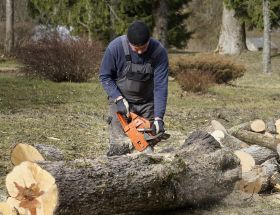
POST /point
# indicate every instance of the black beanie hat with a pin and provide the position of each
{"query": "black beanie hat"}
(138, 33)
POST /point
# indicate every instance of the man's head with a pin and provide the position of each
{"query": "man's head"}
(138, 35)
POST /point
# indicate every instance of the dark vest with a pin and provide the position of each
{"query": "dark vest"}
(137, 80)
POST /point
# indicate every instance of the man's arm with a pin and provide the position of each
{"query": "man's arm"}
(160, 84)
(108, 75)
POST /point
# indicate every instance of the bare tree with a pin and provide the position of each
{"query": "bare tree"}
(266, 38)
(232, 38)
(9, 40)
(161, 22)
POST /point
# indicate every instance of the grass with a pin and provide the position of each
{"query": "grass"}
(34, 110)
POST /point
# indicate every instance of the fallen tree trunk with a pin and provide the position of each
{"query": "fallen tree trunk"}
(200, 172)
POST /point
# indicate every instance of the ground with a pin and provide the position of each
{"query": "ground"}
(73, 117)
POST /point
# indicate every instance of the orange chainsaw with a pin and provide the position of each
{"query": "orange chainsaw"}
(139, 131)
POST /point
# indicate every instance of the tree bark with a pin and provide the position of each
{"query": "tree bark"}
(259, 153)
(200, 172)
(161, 23)
(9, 40)
(113, 18)
(259, 139)
(232, 38)
(266, 38)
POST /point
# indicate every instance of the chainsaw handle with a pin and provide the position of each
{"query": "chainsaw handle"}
(122, 119)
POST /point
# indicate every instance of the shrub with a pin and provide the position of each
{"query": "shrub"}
(195, 81)
(222, 69)
(61, 60)
(192, 72)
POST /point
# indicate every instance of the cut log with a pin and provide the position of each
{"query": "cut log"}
(243, 126)
(6, 209)
(233, 143)
(257, 125)
(251, 181)
(258, 180)
(24, 152)
(260, 154)
(246, 160)
(256, 138)
(218, 126)
(36, 152)
(277, 125)
(270, 126)
(199, 172)
(219, 135)
(214, 125)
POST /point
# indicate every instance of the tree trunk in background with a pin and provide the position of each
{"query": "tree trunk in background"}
(233, 36)
(9, 40)
(160, 29)
(266, 38)
(113, 18)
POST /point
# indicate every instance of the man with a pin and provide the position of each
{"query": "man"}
(134, 73)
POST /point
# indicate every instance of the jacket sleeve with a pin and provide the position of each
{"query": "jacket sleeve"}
(160, 84)
(108, 74)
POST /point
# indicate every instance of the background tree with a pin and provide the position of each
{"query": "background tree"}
(266, 38)
(160, 30)
(9, 40)
(232, 38)
(250, 12)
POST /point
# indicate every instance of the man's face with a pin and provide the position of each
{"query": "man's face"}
(139, 49)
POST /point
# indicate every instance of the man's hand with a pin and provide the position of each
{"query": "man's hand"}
(123, 107)
(158, 126)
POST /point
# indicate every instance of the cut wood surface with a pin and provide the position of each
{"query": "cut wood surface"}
(260, 154)
(201, 171)
(258, 179)
(24, 152)
(256, 138)
(6, 209)
(218, 126)
(36, 152)
(277, 125)
(257, 125)
(219, 135)
(246, 160)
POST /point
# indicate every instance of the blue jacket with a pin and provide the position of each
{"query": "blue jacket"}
(113, 63)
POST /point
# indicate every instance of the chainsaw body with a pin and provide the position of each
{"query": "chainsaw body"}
(139, 131)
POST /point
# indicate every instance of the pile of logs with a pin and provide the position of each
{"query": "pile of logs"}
(210, 164)
(257, 145)
(198, 172)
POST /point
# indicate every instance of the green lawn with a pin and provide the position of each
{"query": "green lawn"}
(34, 110)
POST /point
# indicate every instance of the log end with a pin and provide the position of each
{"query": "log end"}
(24, 152)
(7, 209)
(32, 190)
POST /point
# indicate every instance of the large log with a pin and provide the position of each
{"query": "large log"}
(201, 171)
